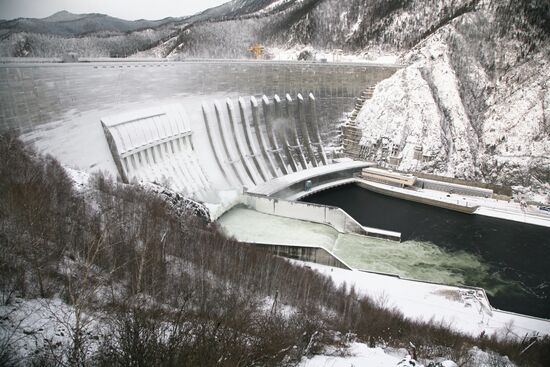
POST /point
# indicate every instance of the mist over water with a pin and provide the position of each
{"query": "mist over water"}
(510, 260)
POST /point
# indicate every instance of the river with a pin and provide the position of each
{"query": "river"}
(510, 260)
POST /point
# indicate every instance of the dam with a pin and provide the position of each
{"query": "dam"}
(248, 139)
(205, 128)
(33, 93)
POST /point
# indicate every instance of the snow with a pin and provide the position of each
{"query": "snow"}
(472, 119)
(359, 355)
(30, 325)
(463, 310)
(274, 5)
(403, 110)
(80, 178)
(415, 107)
(292, 53)
(278, 184)
(179, 204)
(250, 226)
(225, 199)
(77, 139)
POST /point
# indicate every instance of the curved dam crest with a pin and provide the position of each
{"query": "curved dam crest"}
(38, 93)
(60, 107)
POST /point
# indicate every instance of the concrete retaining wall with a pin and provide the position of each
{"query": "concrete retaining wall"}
(459, 207)
(453, 187)
(332, 216)
(323, 214)
(497, 189)
(303, 253)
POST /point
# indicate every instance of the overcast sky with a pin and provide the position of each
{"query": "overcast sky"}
(126, 9)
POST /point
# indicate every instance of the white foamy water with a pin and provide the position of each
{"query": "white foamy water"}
(410, 259)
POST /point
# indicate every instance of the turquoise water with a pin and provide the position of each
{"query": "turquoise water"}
(420, 260)
(511, 260)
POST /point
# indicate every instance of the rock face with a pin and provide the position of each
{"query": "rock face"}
(180, 205)
(473, 100)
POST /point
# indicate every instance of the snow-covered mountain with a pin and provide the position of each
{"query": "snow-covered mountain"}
(67, 24)
(474, 97)
(89, 35)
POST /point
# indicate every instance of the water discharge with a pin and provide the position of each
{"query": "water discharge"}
(251, 226)
(509, 259)
(420, 260)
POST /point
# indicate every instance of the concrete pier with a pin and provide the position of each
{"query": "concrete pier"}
(261, 138)
(245, 147)
(313, 254)
(292, 114)
(252, 151)
(269, 115)
(214, 145)
(311, 121)
(284, 134)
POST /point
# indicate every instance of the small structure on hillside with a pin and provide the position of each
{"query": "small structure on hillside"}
(257, 50)
(417, 153)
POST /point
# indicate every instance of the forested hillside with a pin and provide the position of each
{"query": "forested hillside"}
(99, 273)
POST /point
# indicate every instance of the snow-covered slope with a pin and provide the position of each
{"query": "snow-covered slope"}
(475, 104)
(88, 35)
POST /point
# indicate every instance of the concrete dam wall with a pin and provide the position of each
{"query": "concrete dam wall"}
(37, 93)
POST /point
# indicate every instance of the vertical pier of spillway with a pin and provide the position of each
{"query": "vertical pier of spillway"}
(258, 143)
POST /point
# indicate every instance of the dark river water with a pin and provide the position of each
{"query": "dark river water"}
(517, 256)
